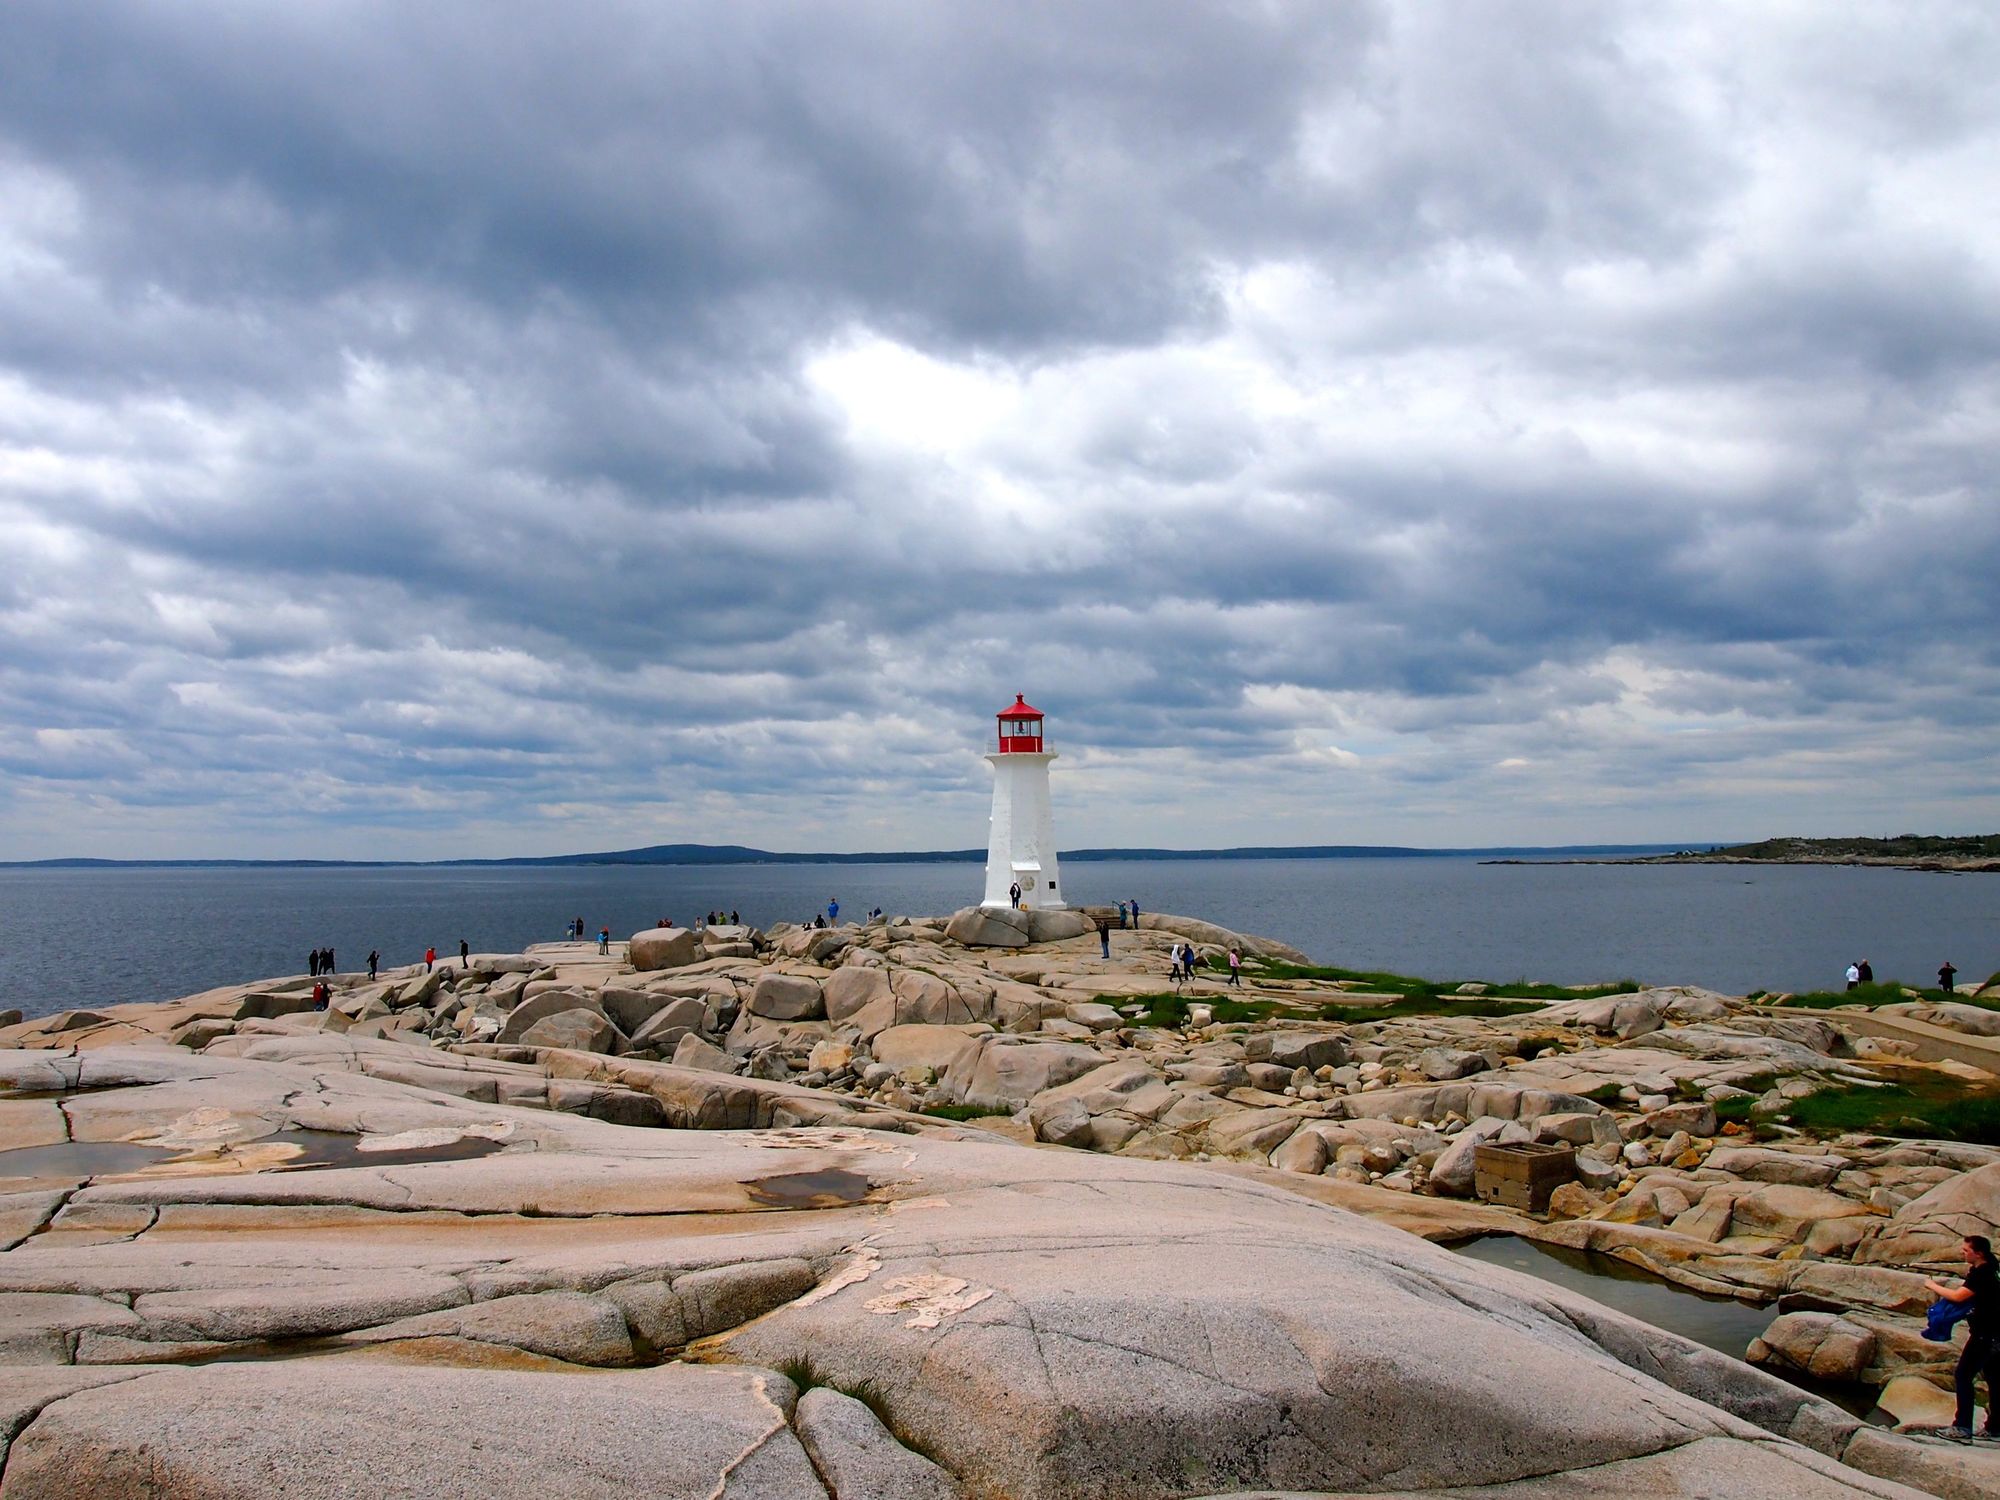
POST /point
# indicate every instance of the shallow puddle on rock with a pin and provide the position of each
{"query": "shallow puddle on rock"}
(321, 1149)
(833, 1187)
(1721, 1323)
(70, 1159)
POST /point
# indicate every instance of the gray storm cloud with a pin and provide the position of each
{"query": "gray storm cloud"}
(470, 429)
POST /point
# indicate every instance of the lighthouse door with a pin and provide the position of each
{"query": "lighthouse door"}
(1029, 878)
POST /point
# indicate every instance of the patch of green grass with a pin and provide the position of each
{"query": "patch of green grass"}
(955, 1112)
(1169, 1009)
(1734, 1108)
(1943, 1110)
(1414, 988)
(1605, 1093)
(1885, 992)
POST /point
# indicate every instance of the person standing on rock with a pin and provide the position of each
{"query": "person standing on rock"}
(832, 911)
(1866, 974)
(1135, 911)
(604, 940)
(1946, 974)
(430, 957)
(1104, 935)
(1014, 895)
(374, 958)
(1853, 976)
(1981, 1287)
(319, 995)
(1235, 968)
(464, 954)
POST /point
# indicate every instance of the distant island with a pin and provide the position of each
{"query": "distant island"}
(739, 854)
(1955, 854)
(1906, 851)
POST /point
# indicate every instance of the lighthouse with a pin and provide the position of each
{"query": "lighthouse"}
(1021, 845)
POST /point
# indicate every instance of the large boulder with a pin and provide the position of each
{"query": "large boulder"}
(1297, 1049)
(990, 927)
(663, 948)
(850, 988)
(1760, 1164)
(786, 997)
(580, 1030)
(1055, 926)
(1929, 1229)
(548, 1003)
(1001, 1072)
(680, 1015)
(920, 1046)
(1820, 1344)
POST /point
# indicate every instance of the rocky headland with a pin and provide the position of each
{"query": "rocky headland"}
(960, 1207)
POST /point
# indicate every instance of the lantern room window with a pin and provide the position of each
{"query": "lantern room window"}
(1020, 728)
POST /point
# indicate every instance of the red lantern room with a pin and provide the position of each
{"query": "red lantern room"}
(1020, 728)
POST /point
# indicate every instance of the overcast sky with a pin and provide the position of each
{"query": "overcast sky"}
(475, 429)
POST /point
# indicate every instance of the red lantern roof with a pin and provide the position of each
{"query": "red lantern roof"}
(1020, 710)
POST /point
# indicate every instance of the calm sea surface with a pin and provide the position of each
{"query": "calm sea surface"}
(94, 937)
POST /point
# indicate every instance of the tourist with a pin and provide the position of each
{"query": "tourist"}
(1014, 895)
(326, 964)
(732, 919)
(1135, 911)
(1853, 976)
(1236, 968)
(832, 911)
(1866, 974)
(430, 957)
(319, 994)
(1946, 974)
(604, 940)
(1104, 935)
(374, 958)
(1982, 1341)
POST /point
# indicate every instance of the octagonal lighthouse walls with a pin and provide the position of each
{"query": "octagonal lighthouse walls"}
(1021, 839)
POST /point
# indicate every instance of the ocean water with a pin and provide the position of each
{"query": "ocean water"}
(81, 937)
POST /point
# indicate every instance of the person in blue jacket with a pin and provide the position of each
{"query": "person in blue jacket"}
(1979, 1292)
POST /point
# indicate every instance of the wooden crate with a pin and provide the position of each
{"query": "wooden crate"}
(1521, 1176)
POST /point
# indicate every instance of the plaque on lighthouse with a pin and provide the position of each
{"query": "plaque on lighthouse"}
(1021, 868)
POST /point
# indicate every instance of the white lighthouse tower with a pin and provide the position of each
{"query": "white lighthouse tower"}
(1021, 846)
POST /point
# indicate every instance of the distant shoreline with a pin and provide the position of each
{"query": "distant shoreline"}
(1943, 866)
(732, 854)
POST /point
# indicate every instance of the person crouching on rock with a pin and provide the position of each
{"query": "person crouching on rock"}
(1981, 1287)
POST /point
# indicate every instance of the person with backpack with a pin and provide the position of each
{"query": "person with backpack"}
(1980, 1293)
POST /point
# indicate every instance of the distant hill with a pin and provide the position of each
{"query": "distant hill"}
(740, 854)
(1902, 846)
(1909, 851)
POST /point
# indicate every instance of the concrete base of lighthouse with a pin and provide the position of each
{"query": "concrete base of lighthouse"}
(1021, 843)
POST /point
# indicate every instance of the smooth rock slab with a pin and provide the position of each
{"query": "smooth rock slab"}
(332, 1429)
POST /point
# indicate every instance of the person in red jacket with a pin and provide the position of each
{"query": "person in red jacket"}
(430, 957)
